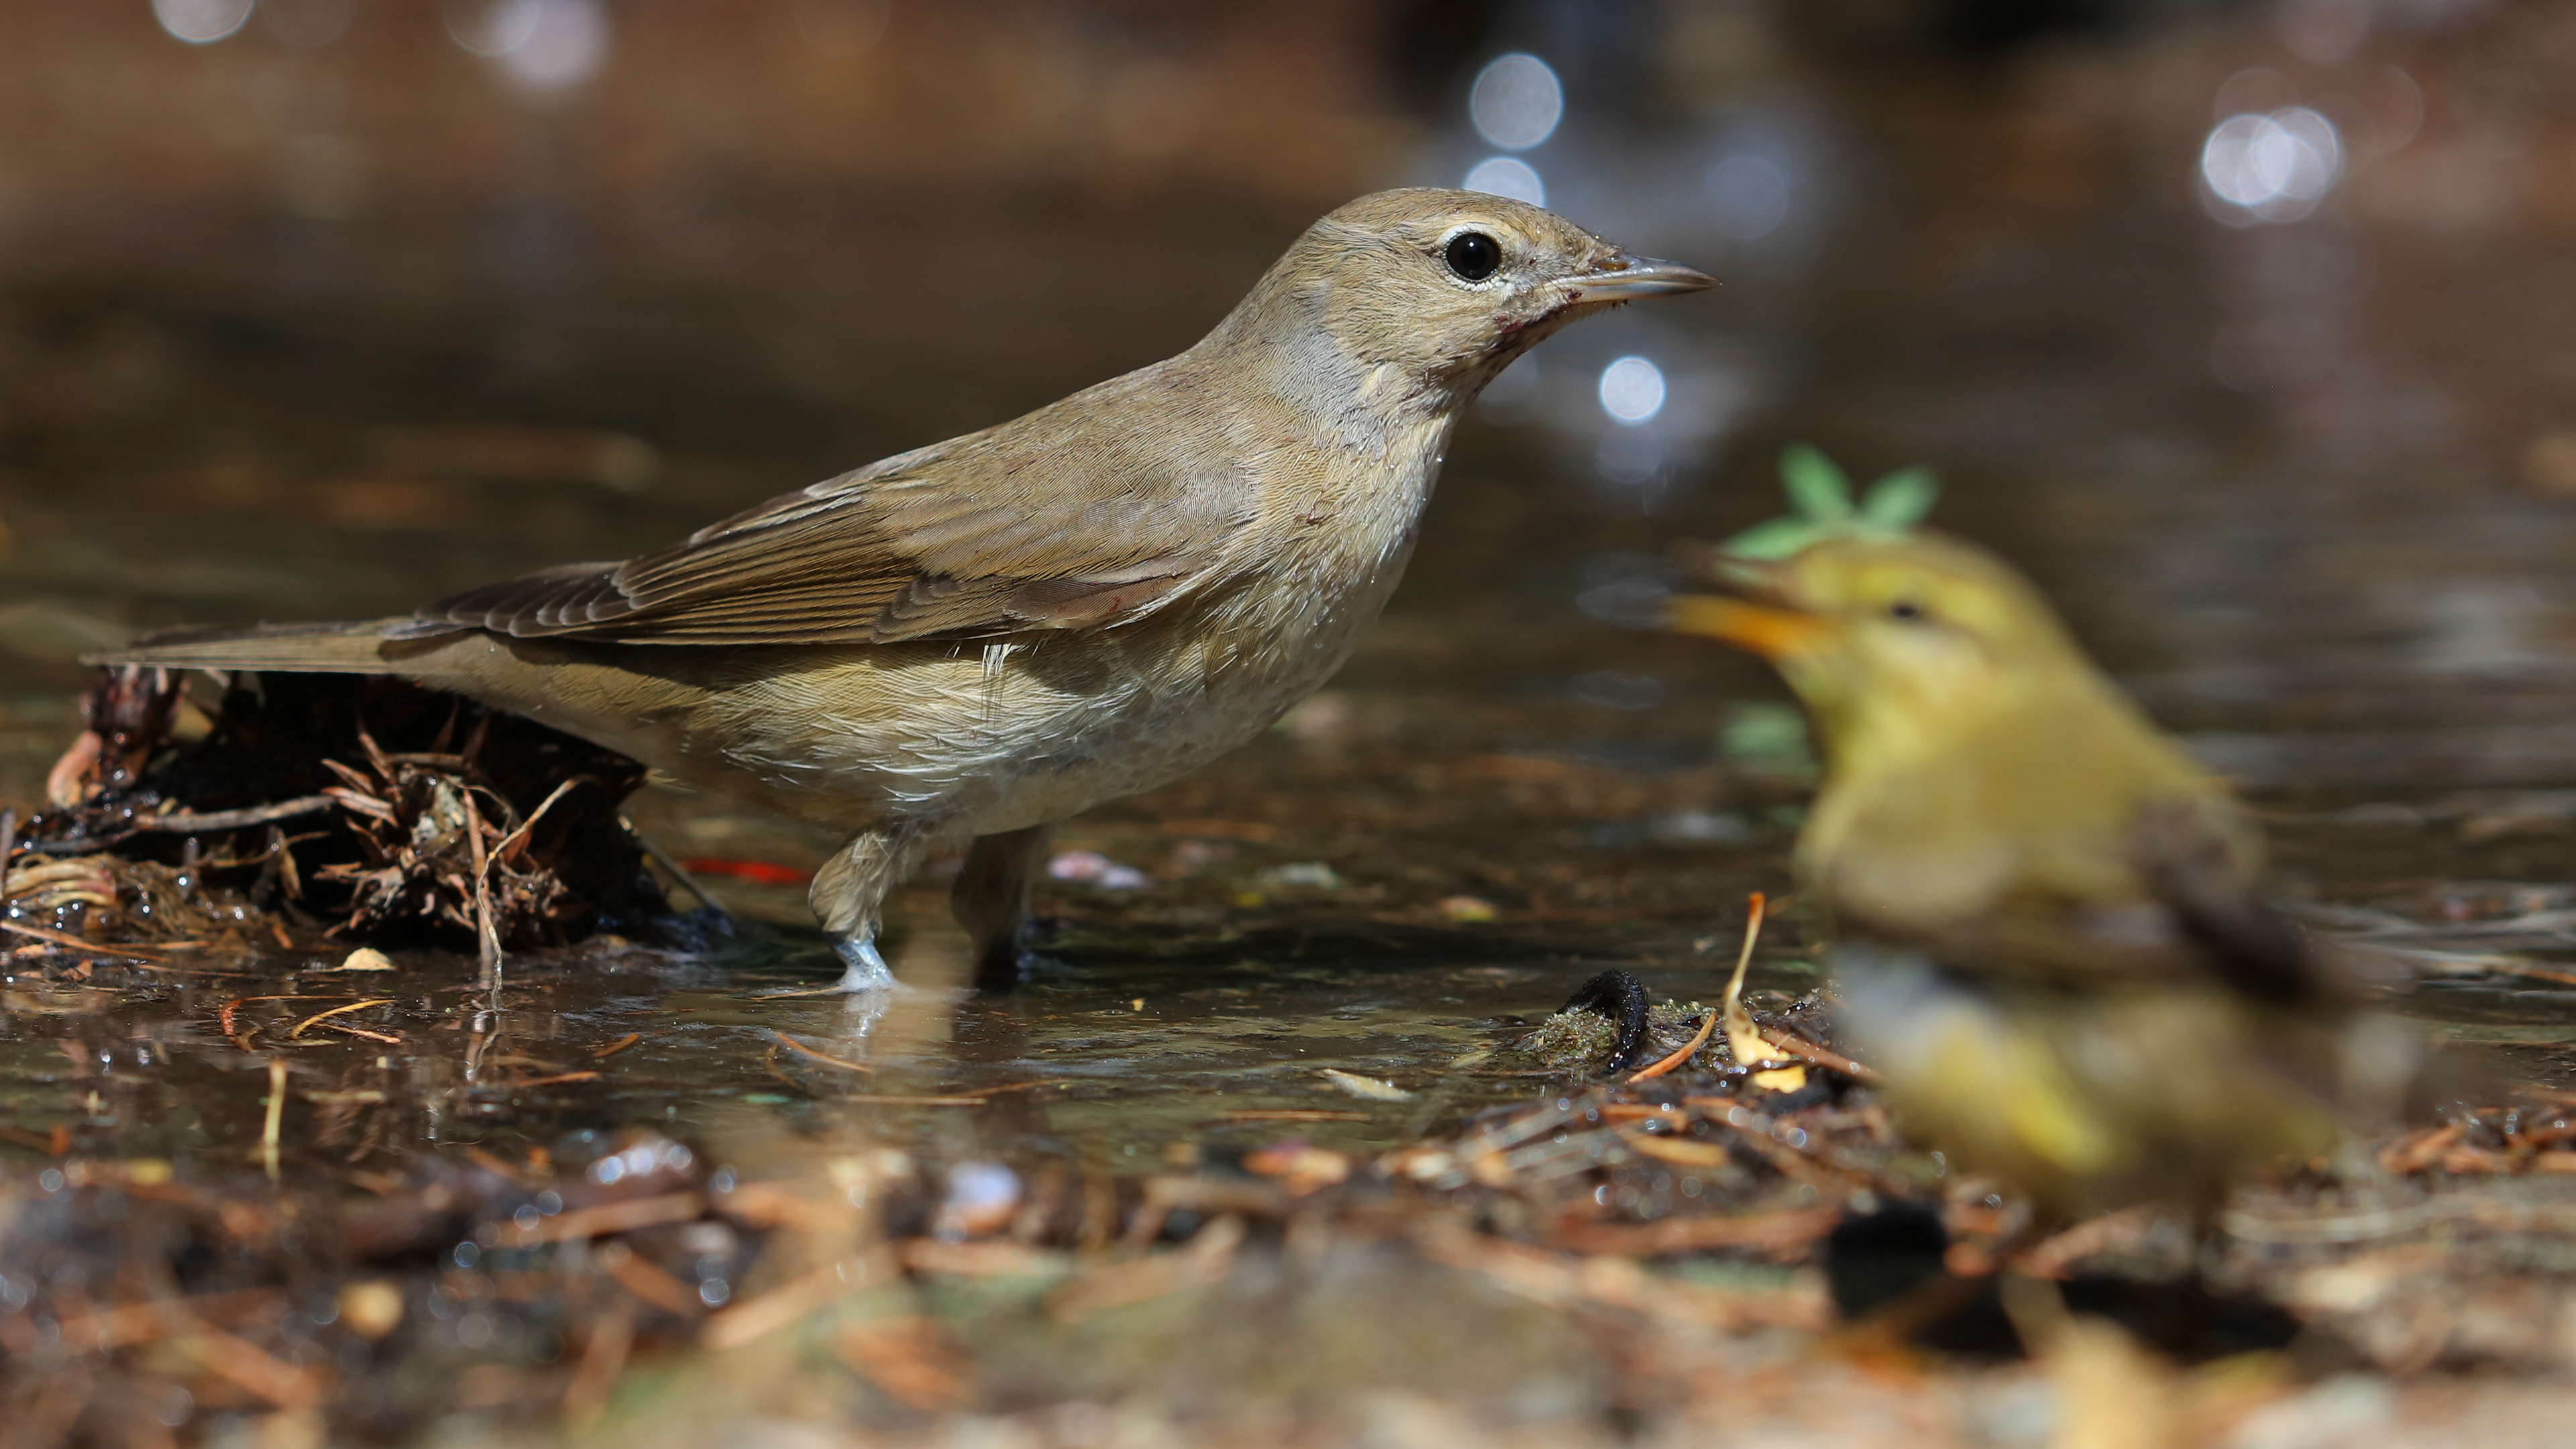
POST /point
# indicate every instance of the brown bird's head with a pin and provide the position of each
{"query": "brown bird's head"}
(1888, 639)
(1432, 292)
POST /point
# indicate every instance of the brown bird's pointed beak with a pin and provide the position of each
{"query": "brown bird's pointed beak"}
(1632, 276)
(1765, 629)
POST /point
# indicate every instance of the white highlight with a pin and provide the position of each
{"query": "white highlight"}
(2275, 166)
(1507, 176)
(1632, 390)
(544, 45)
(1516, 102)
(200, 22)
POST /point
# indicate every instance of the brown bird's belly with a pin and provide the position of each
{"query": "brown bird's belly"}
(978, 738)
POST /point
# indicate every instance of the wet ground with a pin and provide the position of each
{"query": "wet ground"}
(2335, 569)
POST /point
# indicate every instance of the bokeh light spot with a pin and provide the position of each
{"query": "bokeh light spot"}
(542, 44)
(1751, 196)
(1516, 102)
(1507, 176)
(2275, 166)
(201, 22)
(492, 27)
(1632, 390)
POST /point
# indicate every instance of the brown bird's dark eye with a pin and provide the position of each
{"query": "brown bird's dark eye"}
(1905, 609)
(1474, 255)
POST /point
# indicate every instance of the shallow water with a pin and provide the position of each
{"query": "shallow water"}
(2339, 574)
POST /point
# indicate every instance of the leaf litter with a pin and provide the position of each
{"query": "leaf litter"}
(1738, 1209)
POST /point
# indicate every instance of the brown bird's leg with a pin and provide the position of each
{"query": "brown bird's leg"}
(991, 899)
(848, 897)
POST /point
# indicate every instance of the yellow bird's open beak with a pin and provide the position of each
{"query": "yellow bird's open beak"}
(1765, 629)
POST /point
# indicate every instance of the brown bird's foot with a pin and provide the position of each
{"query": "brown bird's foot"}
(1006, 966)
(991, 899)
(864, 976)
(862, 968)
(848, 896)
(1621, 997)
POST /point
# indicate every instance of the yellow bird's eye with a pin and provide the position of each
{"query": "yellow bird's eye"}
(1906, 610)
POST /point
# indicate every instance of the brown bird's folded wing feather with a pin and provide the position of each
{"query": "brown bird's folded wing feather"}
(1052, 521)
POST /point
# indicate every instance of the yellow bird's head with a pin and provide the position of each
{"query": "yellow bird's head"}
(1885, 639)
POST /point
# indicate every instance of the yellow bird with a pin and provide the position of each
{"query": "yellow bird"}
(2044, 913)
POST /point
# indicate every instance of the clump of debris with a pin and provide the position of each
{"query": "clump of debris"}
(346, 806)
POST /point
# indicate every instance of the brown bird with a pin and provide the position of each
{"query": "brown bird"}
(2047, 932)
(977, 639)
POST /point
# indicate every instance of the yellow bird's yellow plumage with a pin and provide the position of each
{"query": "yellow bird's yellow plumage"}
(2044, 917)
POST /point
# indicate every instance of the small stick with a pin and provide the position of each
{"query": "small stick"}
(801, 1049)
(603, 1358)
(75, 943)
(1824, 1057)
(671, 866)
(35, 1141)
(334, 1011)
(556, 1080)
(1707, 1028)
(513, 840)
(214, 820)
(8, 847)
(276, 1114)
(1735, 987)
(1290, 1114)
(487, 938)
(616, 1217)
(1743, 1038)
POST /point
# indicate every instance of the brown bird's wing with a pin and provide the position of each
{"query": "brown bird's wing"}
(1080, 514)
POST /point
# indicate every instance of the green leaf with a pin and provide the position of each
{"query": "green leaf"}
(1773, 539)
(1818, 491)
(1820, 507)
(1900, 500)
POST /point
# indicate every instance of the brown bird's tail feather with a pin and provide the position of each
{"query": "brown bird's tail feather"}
(345, 648)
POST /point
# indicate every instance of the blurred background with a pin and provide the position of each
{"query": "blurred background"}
(2244, 325)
